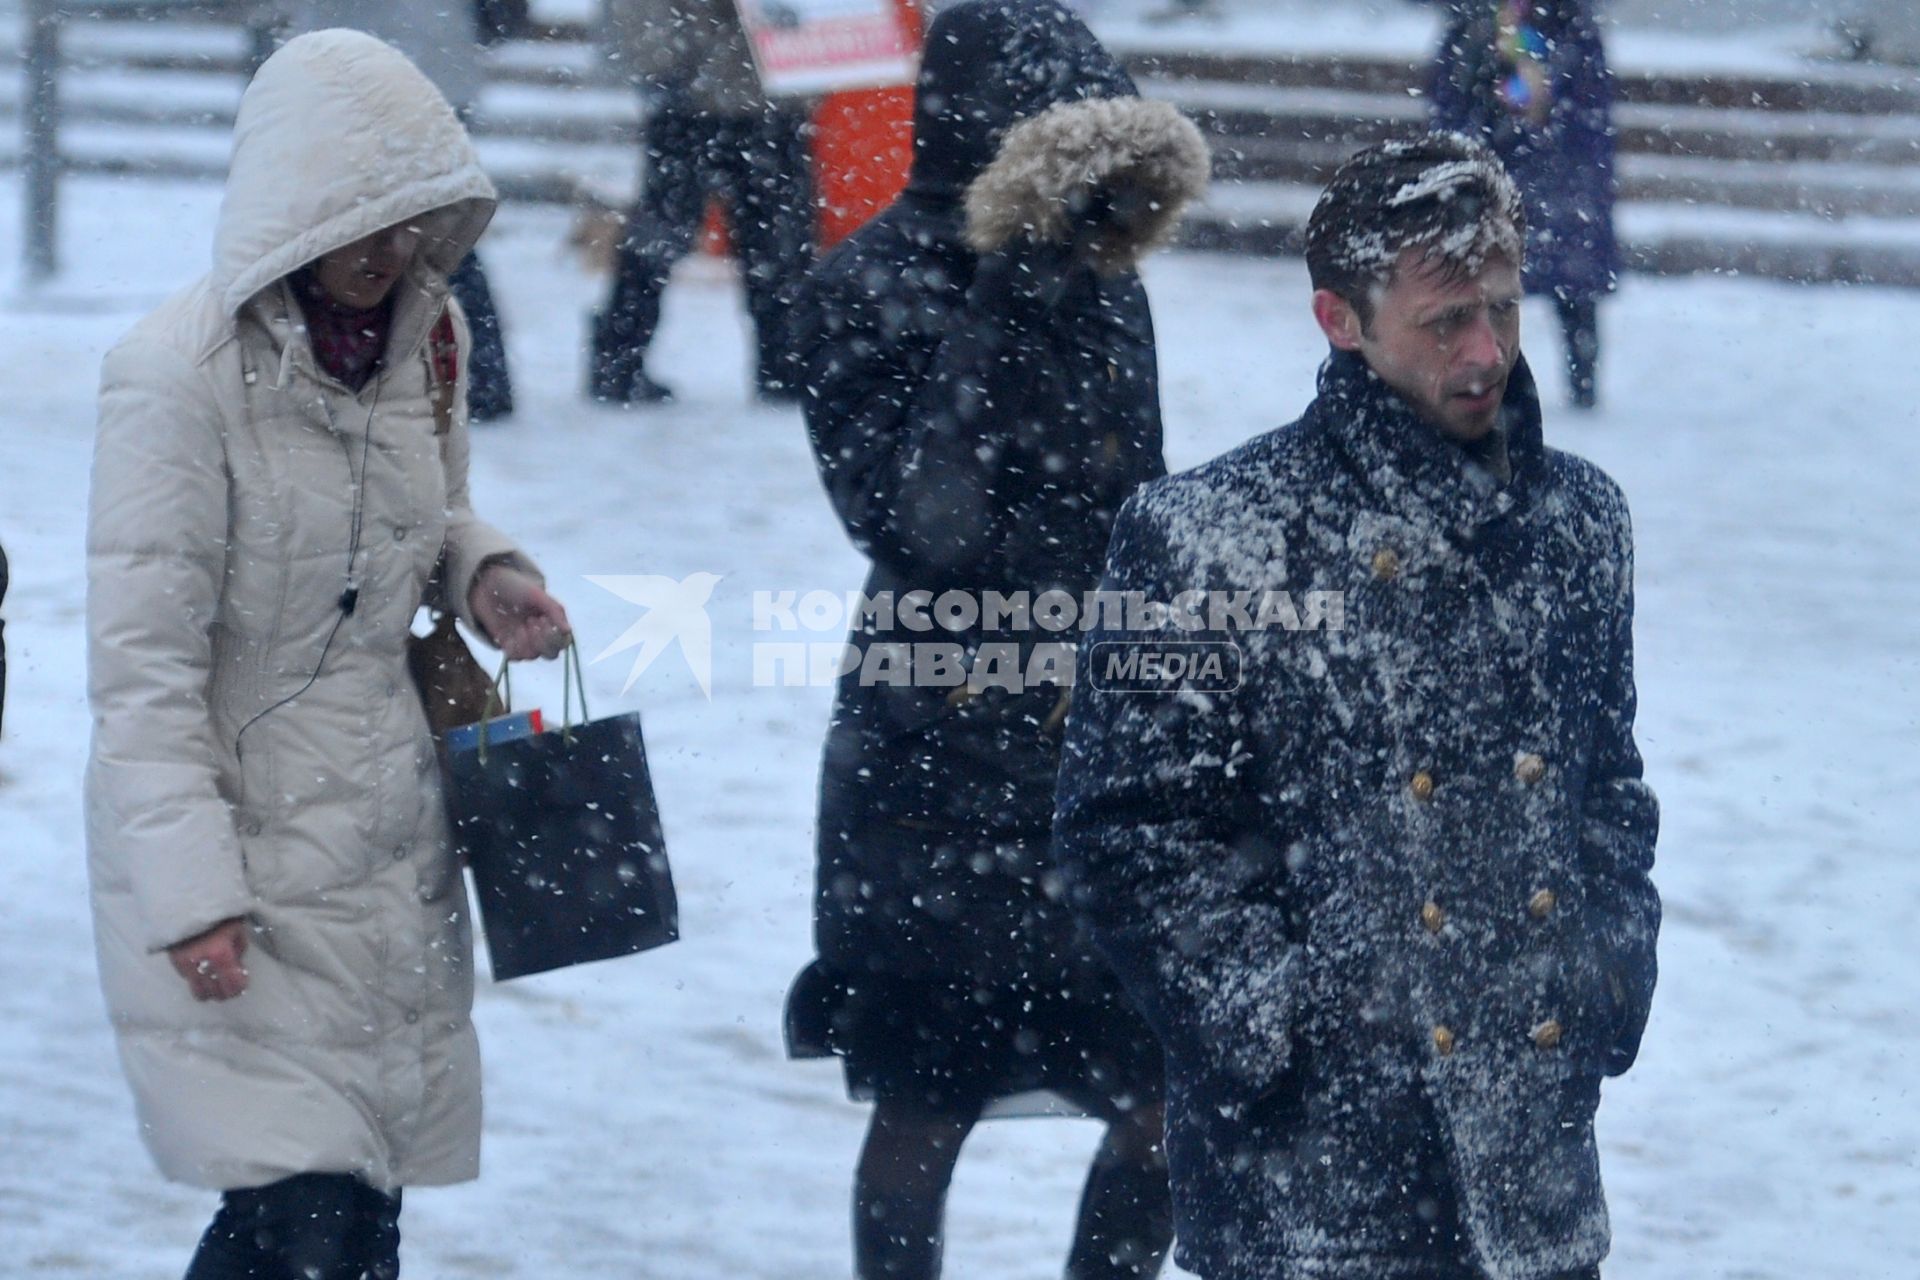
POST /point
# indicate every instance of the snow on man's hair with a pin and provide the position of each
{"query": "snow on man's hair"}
(1444, 193)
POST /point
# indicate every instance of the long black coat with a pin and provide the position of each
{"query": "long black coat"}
(964, 450)
(1353, 894)
(1564, 164)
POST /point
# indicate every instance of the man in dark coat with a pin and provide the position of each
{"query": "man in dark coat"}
(1385, 897)
(982, 395)
(1530, 78)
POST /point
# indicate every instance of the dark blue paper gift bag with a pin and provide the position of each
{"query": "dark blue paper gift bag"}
(563, 836)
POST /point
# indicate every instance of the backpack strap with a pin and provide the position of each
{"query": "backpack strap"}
(441, 352)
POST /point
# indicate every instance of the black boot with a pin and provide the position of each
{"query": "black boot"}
(623, 330)
(616, 367)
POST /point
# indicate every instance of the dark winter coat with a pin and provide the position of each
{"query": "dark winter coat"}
(964, 449)
(693, 48)
(1393, 889)
(1564, 164)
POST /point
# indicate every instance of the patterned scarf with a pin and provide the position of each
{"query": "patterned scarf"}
(347, 344)
(1521, 54)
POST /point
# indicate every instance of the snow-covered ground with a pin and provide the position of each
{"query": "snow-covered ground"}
(642, 1121)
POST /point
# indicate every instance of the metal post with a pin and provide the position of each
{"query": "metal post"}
(42, 121)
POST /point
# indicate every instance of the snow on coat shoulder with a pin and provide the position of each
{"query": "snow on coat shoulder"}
(257, 750)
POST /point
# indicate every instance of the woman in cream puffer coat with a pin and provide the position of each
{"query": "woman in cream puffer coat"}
(281, 925)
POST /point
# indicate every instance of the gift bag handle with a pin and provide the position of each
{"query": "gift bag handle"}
(572, 679)
(571, 666)
(499, 698)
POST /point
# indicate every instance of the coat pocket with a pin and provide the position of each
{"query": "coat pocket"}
(1595, 995)
(1520, 1140)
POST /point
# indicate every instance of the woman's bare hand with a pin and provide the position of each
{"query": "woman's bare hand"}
(521, 619)
(210, 961)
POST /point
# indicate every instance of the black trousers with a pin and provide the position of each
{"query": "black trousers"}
(758, 167)
(1580, 327)
(489, 387)
(312, 1226)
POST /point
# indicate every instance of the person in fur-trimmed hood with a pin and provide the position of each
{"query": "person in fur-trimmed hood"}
(981, 393)
(1381, 882)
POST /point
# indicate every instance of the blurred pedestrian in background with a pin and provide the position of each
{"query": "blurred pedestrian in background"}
(709, 132)
(982, 393)
(445, 41)
(279, 482)
(1175, 10)
(1530, 78)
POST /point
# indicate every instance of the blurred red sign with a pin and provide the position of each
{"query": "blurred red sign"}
(805, 47)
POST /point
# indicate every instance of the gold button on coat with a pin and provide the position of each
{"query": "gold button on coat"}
(1386, 564)
(1530, 768)
(1422, 785)
(1542, 903)
(1547, 1034)
(1443, 1040)
(1433, 917)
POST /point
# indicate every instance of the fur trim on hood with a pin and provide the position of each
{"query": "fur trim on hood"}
(1144, 158)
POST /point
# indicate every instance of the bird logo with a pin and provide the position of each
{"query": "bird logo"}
(676, 612)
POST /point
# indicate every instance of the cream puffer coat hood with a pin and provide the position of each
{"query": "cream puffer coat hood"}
(258, 749)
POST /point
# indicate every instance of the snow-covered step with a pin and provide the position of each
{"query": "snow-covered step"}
(1823, 188)
(226, 48)
(1815, 148)
(1355, 73)
(1256, 115)
(1672, 239)
(1731, 133)
(1269, 218)
(588, 113)
(1807, 85)
(522, 168)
